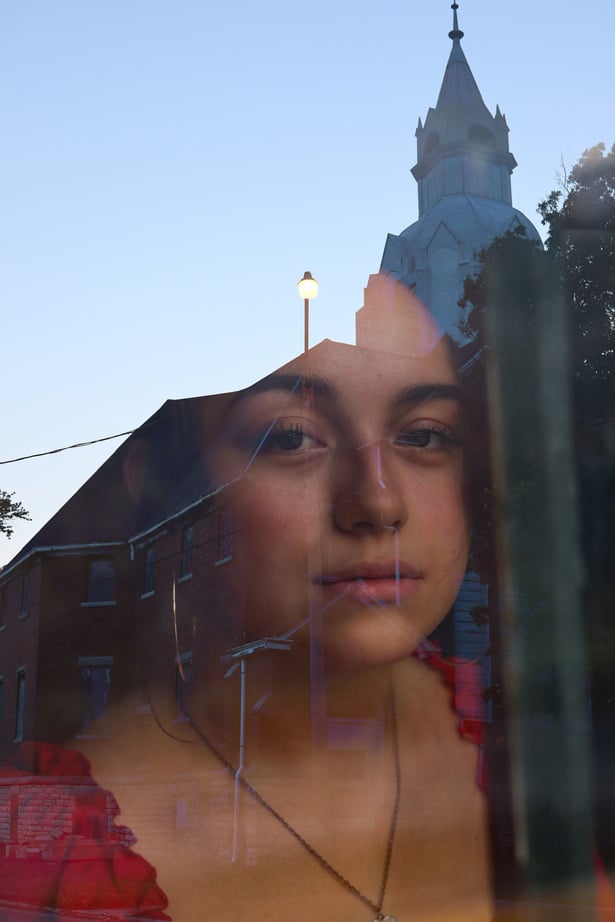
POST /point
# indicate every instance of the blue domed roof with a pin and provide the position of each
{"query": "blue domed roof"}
(471, 220)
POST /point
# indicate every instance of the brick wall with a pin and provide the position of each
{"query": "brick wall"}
(37, 811)
(19, 649)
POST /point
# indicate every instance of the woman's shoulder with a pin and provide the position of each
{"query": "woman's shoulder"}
(434, 695)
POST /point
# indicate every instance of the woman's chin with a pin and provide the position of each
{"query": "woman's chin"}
(347, 647)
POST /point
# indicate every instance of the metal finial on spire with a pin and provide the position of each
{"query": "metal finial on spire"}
(456, 32)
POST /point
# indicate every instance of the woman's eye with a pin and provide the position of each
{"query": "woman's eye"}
(427, 438)
(288, 438)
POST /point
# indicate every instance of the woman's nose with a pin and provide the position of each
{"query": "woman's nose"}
(368, 497)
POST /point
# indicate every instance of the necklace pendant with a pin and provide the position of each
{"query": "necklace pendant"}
(381, 918)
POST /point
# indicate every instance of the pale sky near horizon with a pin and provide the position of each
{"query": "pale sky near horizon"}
(169, 170)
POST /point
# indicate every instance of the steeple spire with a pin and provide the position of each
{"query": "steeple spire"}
(456, 32)
(463, 174)
(459, 89)
(462, 147)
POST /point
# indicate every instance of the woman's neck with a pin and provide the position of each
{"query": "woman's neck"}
(302, 718)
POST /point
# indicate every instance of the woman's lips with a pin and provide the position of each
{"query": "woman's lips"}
(387, 582)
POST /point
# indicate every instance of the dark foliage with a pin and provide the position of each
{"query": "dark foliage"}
(10, 510)
(581, 236)
(580, 248)
(581, 223)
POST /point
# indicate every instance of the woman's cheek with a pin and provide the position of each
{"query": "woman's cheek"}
(281, 503)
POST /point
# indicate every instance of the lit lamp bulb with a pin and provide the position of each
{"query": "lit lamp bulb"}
(308, 289)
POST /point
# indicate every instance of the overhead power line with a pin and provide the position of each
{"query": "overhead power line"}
(119, 435)
(55, 451)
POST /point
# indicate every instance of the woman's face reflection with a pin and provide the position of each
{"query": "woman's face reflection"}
(343, 473)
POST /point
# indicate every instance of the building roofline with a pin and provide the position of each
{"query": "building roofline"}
(139, 536)
(66, 549)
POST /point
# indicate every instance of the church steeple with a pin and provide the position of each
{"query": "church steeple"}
(459, 88)
(462, 148)
(463, 175)
(456, 33)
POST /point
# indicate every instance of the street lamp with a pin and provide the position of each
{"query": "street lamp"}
(308, 289)
(238, 656)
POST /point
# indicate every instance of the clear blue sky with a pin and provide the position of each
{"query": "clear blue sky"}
(169, 169)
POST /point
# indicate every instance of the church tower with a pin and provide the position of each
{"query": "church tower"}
(463, 173)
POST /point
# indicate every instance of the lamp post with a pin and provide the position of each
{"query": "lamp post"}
(308, 289)
(237, 656)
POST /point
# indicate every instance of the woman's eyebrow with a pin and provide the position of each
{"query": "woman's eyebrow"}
(425, 393)
(292, 385)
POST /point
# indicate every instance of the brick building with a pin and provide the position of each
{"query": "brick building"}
(70, 599)
(107, 621)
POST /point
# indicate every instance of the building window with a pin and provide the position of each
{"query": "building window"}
(224, 551)
(187, 551)
(183, 670)
(150, 569)
(21, 704)
(3, 597)
(95, 692)
(25, 594)
(101, 581)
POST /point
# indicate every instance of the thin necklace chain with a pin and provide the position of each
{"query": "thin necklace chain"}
(375, 907)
